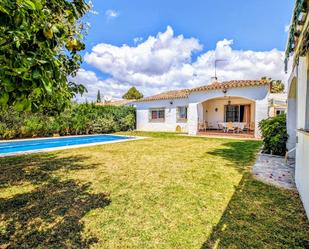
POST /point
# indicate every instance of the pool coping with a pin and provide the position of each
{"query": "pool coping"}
(133, 138)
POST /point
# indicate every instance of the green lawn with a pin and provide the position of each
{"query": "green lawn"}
(163, 192)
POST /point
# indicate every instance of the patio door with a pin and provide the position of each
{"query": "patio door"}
(232, 113)
(237, 113)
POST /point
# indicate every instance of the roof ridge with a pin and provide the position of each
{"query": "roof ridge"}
(184, 93)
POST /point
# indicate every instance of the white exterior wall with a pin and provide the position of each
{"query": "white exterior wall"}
(302, 168)
(170, 124)
(261, 113)
(193, 114)
(298, 121)
(258, 94)
(291, 125)
(302, 92)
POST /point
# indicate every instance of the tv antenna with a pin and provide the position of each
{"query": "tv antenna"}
(216, 62)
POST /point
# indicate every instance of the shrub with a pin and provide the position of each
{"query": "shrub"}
(274, 134)
(128, 122)
(76, 119)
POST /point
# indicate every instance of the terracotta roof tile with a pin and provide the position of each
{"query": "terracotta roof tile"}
(179, 94)
(230, 84)
(176, 94)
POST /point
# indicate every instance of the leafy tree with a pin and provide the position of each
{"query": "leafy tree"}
(99, 97)
(133, 93)
(276, 85)
(39, 45)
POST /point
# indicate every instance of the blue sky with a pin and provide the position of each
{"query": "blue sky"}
(257, 26)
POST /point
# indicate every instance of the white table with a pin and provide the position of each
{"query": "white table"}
(239, 125)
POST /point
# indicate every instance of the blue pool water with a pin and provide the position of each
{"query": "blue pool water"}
(39, 144)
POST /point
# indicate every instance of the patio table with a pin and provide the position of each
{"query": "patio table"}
(238, 125)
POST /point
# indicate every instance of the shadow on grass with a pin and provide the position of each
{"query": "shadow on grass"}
(240, 154)
(258, 215)
(50, 216)
(36, 168)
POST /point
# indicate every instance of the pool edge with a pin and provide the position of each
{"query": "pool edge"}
(11, 154)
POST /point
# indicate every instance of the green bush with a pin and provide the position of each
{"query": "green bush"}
(274, 134)
(75, 120)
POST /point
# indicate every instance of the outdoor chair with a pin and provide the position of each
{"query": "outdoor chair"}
(230, 127)
(241, 127)
(201, 126)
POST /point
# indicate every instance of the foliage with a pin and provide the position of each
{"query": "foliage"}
(276, 85)
(166, 191)
(76, 119)
(99, 97)
(39, 45)
(133, 93)
(274, 134)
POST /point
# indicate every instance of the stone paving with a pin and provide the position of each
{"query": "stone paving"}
(275, 170)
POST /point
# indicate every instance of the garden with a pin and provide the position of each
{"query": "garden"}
(167, 191)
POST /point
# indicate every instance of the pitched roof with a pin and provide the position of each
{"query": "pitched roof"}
(230, 84)
(176, 94)
(179, 94)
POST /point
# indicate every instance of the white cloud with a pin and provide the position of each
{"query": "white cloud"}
(108, 87)
(286, 28)
(111, 14)
(164, 62)
(137, 40)
(94, 12)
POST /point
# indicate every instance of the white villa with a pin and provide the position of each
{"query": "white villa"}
(241, 102)
(297, 52)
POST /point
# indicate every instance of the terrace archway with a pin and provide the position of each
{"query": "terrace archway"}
(214, 113)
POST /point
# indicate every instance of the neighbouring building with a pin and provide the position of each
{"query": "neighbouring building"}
(297, 55)
(277, 104)
(118, 102)
(242, 102)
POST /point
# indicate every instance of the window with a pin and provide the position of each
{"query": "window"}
(157, 115)
(237, 113)
(279, 112)
(232, 113)
(182, 113)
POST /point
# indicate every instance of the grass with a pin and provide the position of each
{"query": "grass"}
(163, 192)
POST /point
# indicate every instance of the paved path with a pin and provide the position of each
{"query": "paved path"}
(274, 170)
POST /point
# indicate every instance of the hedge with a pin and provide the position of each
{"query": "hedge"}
(78, 119)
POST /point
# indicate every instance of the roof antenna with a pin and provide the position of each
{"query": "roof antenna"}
(216, 78)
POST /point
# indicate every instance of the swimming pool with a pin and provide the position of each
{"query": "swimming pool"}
(48, 144)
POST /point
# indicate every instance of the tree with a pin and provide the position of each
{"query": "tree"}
(133, 93)
(39, 45)
(276, 85)
(99, 97)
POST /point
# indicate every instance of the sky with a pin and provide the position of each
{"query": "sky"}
(161, 45)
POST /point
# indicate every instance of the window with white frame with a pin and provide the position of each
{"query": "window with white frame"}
(182, 114)
(280, 111)
(157, 115)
